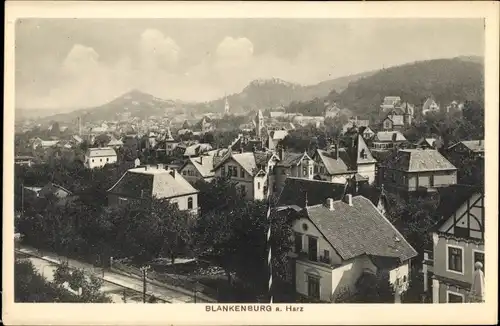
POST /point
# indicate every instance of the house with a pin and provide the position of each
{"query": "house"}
(429, 106)
(252, 171)
(426, 143)
(467, 149)
(115, 143)
(390, 102)
(339, 242)
(44, 144)
(274, 137)
(146, 182)
(457, 244)
(303, 120)
(23, 160)
(331, 111)
(198, 168)
(297, 165)
(417, 170)
(52, 189)
(355, 123)
(300, 192)
(387, 139)
(99, 156)
(339, 164)
(367, 133)
(197, 149)
(393, 122)
(454, 106)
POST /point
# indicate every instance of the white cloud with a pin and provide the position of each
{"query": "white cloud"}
(157, 50)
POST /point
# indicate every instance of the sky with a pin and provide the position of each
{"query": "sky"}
(75, 63)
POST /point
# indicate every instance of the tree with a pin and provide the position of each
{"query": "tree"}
(219, 194)
(102, 140)
(77, 279)
(30, 286)
(374, 288)
(236, 240)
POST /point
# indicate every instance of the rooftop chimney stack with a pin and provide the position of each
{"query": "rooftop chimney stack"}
(172, 173)
(329, 204)
(281, 153)
(348, 199)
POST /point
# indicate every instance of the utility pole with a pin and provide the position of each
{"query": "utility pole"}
(144, 270)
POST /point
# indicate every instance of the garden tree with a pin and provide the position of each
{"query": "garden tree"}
(208, 138)
(219, 194)
(175, 228)
(413, 216)
(102, 140)
(235, 239)
(374, 288)
(30, 286)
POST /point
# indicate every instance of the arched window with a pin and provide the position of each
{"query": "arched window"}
(190, 203)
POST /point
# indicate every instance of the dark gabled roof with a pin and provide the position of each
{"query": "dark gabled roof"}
(360, 229)
(290, 159)
(297, 190)
(451, 198)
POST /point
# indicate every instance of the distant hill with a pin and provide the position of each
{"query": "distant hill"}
(444, 79)
(258, 94)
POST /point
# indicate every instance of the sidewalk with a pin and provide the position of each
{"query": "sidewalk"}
(162, 292)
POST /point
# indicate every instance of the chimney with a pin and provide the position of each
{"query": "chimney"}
(146, 167)
(329, 204)
(201, 159)
(337, 149)
(281, 153)
(348, 199)
(160, 166)
(172, 173)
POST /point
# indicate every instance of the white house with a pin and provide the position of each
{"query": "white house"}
(99, 157)
(338, 242)
(252, 171)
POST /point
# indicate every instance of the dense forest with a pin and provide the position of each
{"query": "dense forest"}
(445, 80)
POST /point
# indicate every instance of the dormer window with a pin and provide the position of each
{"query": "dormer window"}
(363, 154)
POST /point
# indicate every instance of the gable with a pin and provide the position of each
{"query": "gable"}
(469, 216)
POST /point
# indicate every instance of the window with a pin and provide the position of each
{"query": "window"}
(223, 171)
(235, 171)
(184, 172)
(326, 254)
(313, 287)
(304, 171)
(100, 160)
(258, 185)
(242, 173)
(363, 154)
(455, 259)
(431, 180)
(190, 202)
(313, 249)
(455, 297)
(478, 257)
(92, 160)
(107, 159)
(298, 242)
(310, 170)
(243, 189)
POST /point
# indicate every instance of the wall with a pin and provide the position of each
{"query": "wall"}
(258, 188)
(182, 202)
(415, 180)
(344, 278)
(441, 259)
(99, 161)
(303, 269)
(367, 170)
(399, 273)
(190, 173)
(244, 179)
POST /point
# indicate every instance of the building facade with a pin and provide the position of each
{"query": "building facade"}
(99, 157)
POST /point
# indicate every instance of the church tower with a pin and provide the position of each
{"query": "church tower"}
(259, 124)
(226, 107)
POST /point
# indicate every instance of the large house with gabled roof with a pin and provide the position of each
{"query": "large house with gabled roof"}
(154, 181)
(252, 172)
(340, 242)
(416, 170)
(99, 156)
(198, 168)
(297, 165)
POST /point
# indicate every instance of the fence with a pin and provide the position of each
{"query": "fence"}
(177, 281)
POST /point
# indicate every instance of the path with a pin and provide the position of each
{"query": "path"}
(165, 293)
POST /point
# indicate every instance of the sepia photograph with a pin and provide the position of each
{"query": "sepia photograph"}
(245, 162)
